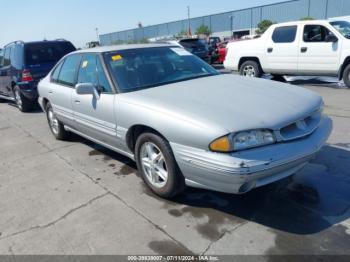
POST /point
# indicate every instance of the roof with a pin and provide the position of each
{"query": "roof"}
(36, 42)
(104, 49)
(304, 22)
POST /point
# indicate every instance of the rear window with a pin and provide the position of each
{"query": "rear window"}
(40, 53)
(192, 43)
(284, 34)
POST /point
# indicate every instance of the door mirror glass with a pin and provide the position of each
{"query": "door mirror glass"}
(331, 38)
(87, 89)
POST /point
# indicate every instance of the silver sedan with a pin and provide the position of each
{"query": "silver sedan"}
(181, 121)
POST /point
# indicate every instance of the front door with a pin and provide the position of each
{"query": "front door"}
(317, 55)
(94, 116)
(282, 50)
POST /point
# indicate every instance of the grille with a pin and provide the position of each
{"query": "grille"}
(301, 128)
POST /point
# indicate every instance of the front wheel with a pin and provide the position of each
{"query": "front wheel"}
(55, 125)
(251, 69)
(157, 166)
(346, 76)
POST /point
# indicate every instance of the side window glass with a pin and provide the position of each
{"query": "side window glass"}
(68, 70)
(285, 34)
(315, 33)
(7, 54)
(87, 70)
(1, 58)
(102, 79)
(56, 72)
(13, 56)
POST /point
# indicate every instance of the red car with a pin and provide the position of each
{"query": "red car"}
(221, 51)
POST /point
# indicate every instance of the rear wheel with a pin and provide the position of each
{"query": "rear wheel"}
(251, 68)
(157, 166)
(55, 125)
(23, 103)
(346, 76)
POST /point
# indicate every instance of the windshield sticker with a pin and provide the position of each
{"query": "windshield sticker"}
(85, 64)
(181, 51)
(117, 57)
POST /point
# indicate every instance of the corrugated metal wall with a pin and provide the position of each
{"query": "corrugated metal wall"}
(237, 20)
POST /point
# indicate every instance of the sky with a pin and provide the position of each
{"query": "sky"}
(77, 20)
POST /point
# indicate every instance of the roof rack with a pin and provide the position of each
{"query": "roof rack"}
(60, 39)
(15, 42)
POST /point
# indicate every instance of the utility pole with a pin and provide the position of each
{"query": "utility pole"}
(231, 25)
(189, 20)
(97, 35)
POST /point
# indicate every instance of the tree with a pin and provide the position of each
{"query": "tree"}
(203, 30)
(263, 26)
(306, 18)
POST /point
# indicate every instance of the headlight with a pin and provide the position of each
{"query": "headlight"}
(254, 138)
(243, 140)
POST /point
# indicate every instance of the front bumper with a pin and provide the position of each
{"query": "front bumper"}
(243, 171)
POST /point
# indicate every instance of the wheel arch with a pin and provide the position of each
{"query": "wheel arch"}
(249, 58)
(134, 133)
(343, 66)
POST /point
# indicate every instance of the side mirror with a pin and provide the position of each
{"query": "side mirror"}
(87, 89)
(331, 38)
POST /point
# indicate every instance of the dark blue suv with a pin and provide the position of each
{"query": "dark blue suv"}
(22, 65)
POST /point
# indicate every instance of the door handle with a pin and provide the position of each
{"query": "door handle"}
(77, 101)
(304, 49)
(270, 50)
(50, 92)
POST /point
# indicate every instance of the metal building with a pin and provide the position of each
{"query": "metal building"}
(238, 22)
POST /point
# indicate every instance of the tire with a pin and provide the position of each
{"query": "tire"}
(250, 68)
(56, 127)
(278, 78)
(346, 76)
(23, 103)
(150, 146)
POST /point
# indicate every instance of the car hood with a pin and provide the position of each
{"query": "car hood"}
(231, 102)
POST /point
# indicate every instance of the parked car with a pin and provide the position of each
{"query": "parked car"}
(196, 46)
(220, 53)
(24, 64)
(320, 48)
(181, 121)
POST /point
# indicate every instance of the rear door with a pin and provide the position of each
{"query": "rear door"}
(317, 56)
(95, 117)
(282, 50)
(63, 80)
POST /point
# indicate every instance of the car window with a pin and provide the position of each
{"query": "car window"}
(102, 79)
(1, 58)
(68, 71)
(316, 33)
(56, 72)
(7, 54)
(285, 34)
(87, 70)
(39, 53)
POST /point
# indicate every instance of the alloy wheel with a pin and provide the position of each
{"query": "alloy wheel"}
(249, 71)
(53, 121)
(18, 99)
(154, 165)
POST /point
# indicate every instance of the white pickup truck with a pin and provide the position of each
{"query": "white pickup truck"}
(320, 48)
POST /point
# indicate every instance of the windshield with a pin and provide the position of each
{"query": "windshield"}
(343, 27)
(137, 69)
(40, 53)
